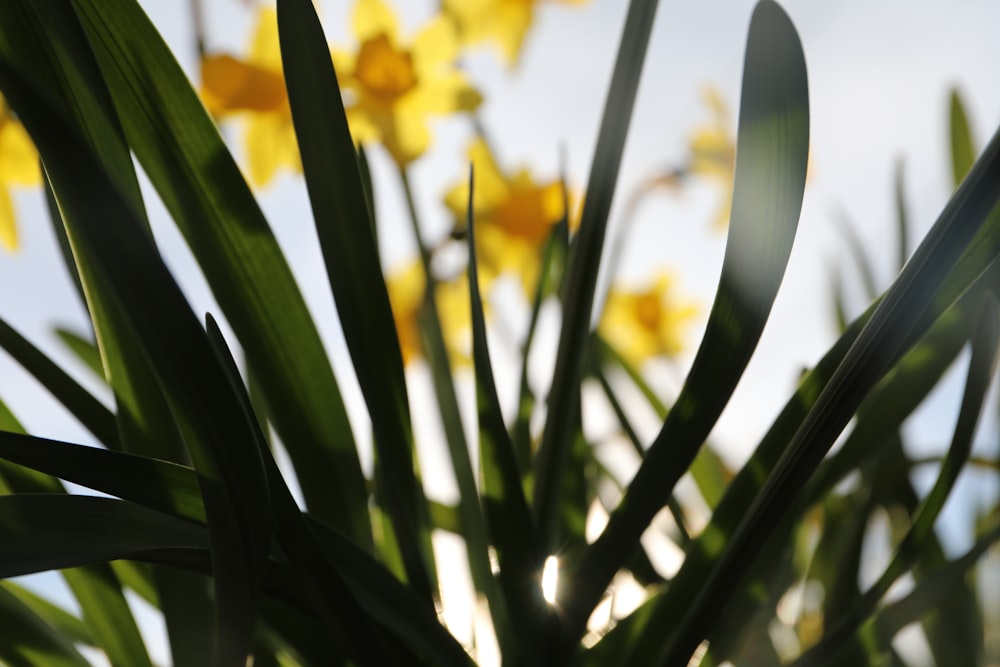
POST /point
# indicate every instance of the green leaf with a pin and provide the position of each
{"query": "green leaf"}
(549, 278)
(341, 212)
(903, 310)
(581, 279)
(963, 152)
(212, 206)
(772, 150)
(902, 218)
(84, 349)
(69, 76)
(981, 367)
(209, 417)
(932, 591)
(29, 638)
(367, 583)
(53, 531)
(107, 614)
(974, 273)
(65, 623)
(90, 412)
(167, 487)
(508, 516)
(857, 249)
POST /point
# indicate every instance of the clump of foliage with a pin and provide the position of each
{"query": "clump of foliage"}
(201, 523)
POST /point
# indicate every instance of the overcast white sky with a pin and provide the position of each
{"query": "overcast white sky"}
(879, 73)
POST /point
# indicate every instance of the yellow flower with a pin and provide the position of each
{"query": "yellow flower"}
(18, 167)
(713, 153)
(514, 216)
(390, 88)
(646, 323)
(255, 88)
(504, 22)
(406, 295)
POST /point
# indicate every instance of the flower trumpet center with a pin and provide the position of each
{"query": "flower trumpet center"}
(648, 311)
(383, 70)
(528, 214)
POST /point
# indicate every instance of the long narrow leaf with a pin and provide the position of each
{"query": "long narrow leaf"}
(664, 609)
(52, 531)
(581, 278)
(215, 431)
(27, 638)
(207, 197)
(877, 347)
(107, 614)
(772, 150)
(341, 212)
(981, 366)
(507, 513)
(89, 411)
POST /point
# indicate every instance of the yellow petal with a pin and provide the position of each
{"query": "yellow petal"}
(373, 18)
(452, 299)
(434, 46)
(405, 136)
(229, 85)
(490, 186)
(512, 27)
(405, 286)
(265, 49)
(362, 128)
(18, 157)
(444, 93)
(270, 145)
(8, 227)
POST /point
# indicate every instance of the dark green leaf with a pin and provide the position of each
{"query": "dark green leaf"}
(508, 516)
(81, 404)
(214, 428)
(107, 614)
(210, 202)
(981, 366)
(772, 151)
(904, 309)
(29, 638)
(84, 349)
(345, 232)
(963, 151)
(581, 278)
(52, 531)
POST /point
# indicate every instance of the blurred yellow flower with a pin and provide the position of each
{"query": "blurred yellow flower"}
(18, 167)
(514, 216)
(390, 88)
(406, 287)
(255, 88)
(504, 22)
(713, 152)
(646, 323)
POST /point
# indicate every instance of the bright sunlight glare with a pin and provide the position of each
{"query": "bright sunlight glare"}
(550, 578)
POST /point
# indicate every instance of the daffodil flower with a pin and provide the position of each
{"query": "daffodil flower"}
(391, 88)
(18, 167)
(254, 88)
(646, 323)
(713, 153)
(503, 22)
(406, 287)
(514, 216)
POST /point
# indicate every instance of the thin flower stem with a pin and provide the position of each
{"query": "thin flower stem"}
(198, 26)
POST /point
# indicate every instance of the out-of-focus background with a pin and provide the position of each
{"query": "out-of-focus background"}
(880, 75)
